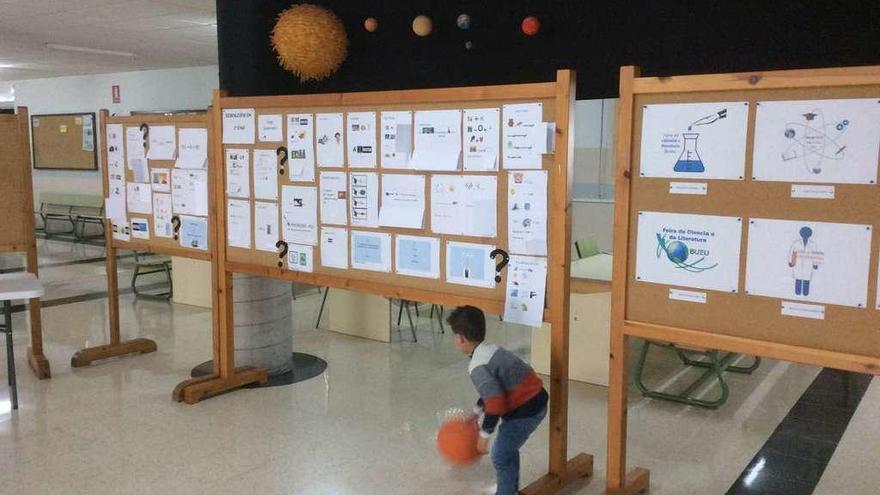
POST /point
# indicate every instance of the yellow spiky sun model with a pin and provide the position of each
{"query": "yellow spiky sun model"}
(310, 41)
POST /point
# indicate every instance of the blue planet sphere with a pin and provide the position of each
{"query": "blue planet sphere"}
(677, 252)
(463, 22)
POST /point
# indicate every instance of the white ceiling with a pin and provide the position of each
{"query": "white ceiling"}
(160, 34)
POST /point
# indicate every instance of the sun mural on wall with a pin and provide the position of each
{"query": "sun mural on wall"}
(310, 41)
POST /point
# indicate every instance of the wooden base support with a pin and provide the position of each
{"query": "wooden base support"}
(196, 389)
(579, 466)
(39, 364)
(637, 481)
(89, 355)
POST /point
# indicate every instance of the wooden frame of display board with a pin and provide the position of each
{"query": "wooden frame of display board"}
(557, 100)
(54, 148)
(17, 211)
(846, 338)
(155, 245)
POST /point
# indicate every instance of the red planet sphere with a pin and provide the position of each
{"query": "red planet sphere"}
(531, 25)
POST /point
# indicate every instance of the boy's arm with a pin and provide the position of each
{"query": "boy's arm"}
(491, 402)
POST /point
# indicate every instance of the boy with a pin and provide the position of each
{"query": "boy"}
(509, 389)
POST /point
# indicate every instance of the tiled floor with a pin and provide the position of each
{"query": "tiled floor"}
(367, 424)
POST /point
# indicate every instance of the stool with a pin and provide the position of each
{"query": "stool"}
(145, 264)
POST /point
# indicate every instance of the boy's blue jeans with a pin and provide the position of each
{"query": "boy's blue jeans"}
(505, 453)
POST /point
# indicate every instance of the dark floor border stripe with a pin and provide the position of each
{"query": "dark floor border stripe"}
(71, 239)
(88, 296)
(795, 456)
(82, 261)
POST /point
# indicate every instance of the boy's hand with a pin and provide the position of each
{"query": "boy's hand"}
(483, 445)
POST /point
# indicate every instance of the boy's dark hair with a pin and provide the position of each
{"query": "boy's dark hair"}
(469, 322)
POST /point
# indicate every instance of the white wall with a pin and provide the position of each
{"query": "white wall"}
(157, 90)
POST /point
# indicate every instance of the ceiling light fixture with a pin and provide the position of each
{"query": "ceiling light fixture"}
(83, 49)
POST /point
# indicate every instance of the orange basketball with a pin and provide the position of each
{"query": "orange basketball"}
(457, 441)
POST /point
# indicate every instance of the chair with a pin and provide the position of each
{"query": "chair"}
(586, 247)
(711, 360)
(146, 264)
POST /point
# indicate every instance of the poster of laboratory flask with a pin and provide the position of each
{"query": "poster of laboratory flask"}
(834, 141)
(802, 260)
(699, 251)
(694, 140)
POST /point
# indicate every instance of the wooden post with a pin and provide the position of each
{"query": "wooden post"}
(116, 347)
(36, 359)
(225, 376)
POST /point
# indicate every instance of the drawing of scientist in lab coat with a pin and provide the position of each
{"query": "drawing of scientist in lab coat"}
(804, 258)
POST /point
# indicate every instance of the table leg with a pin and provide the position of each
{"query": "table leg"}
(10, 355)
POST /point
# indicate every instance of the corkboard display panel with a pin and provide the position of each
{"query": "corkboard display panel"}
(389, 284)
(17, 207)
(844, 329)
(161, 245)
(63, 142)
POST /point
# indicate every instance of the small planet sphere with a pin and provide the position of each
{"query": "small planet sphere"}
(677, 252)
(468, 45)
(530, 25)
(463, 22)
(371, 24)
(422, 25)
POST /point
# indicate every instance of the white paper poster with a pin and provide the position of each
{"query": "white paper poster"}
(162, 141)
(265, 226)
(265, 174)
(834, 141)
(526, 284)
(115, 143)
(238, 173)
(403, 201)
(481, 138)
(699, 251)
(238, 126)
(135, 145)
(803, 260)
(437, 140)
(120, 229)
(330, 139)
(300, 214)
(396, 139)
(527, 212)
(269, 128)
(694, 140)
(189, 191)
(192, 148)
(238, 223)
(88, 134)
(371, 251)
(162, 226)
(114, 206)
(470, 264)
(139, 168)
(417, 256)
(139, 198)
(140, 228)
(361, 139)
(301, 147)
(194, 232)
(523, 144)
(160, 179)
(464, 205)
(334, 247)
(364, 199)
(334, 198)
(300, 258)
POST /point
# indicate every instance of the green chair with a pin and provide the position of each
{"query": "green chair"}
(586, 247)
(147, 263)
(711, 360)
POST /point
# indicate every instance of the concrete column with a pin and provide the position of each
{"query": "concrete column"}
(263, 323)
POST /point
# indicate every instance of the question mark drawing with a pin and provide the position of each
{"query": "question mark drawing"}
(175, 220)
(505, 259)
(145, 130)
(281, 152)
(283, 253)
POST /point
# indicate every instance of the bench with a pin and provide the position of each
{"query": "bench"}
(76, 210)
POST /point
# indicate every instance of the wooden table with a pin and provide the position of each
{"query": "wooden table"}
(13, 286)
